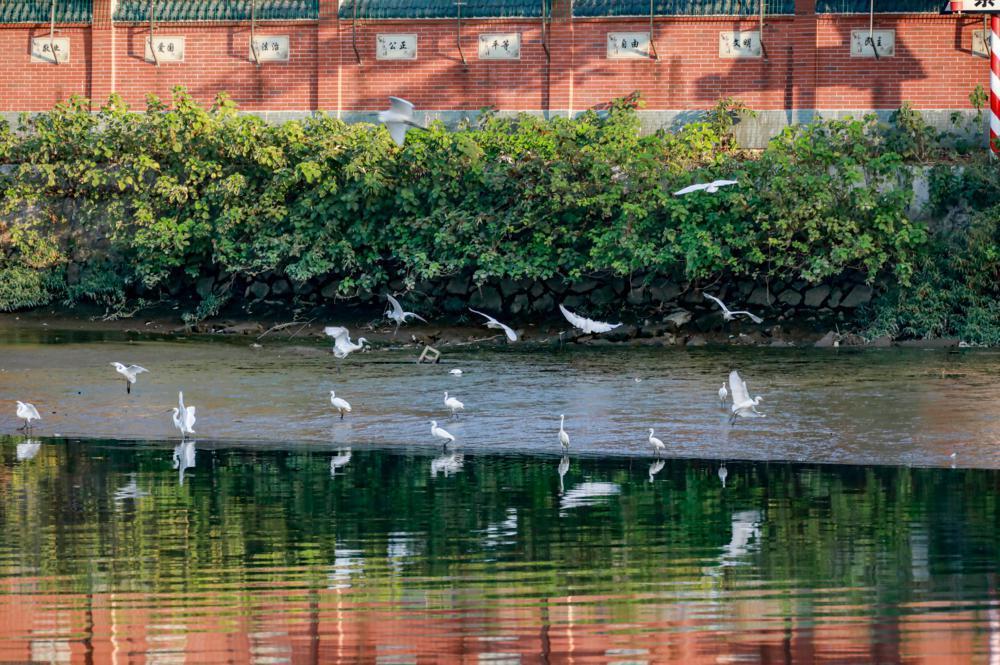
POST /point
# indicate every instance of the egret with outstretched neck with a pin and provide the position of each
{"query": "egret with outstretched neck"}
(441, 433)
(563, 435)
(658, 445)
(130, 372)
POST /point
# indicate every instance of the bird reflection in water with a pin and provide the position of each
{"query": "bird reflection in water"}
(130, 490)
(340, 460)
(655, 468)
(563, 468)
(184, 454)
(449, 464)
(28, 449)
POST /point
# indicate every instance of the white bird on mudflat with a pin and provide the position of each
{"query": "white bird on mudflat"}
(339, 404)
(342, 344)
(339, 460)
(397, 314)
(562, 469)
(723, 394)
(441, 433)
(493, 323)
(453, 404)
(729, 315)
(587, 325)
(398, 119)
(129, 372)
(27, 412)
(658, 446)
(456, 372)
(743, 406)
(183, 417)
(563, 436)
(655, 468)
(709, 187)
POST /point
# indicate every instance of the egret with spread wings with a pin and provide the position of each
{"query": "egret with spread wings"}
(397, 314)
(493, 323)
(129, 373)
(709, 187)
(342, 344)
(398, 119)
(730, 315)
(587, 325)
(743, 406)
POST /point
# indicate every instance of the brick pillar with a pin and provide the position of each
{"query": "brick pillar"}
(804, 59)
(102, 54)
(327, 57)
(559, 83)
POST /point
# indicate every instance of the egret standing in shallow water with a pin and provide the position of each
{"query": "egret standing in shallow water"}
(455, 372)
(183, 417)
(723, 394)
(129, 372)
(453, 404)
(441, 433)
(658, 446)
(339, 404)
(27, 412)
(563, 435)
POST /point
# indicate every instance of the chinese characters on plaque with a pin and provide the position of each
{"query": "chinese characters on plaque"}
(272, 48)
(744, 44)
(500, 46)
(628, 45)
(981, 43)
(168, 49)
(396, 46)
(47, 49)
(980, 6)
(865, 43)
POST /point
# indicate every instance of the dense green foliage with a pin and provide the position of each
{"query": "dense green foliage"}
(140, 201)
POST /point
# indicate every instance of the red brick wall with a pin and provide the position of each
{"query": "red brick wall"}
(808, 65)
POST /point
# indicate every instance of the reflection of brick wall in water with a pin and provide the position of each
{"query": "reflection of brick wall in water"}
(808, 65)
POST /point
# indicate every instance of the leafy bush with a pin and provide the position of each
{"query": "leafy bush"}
(22, 288)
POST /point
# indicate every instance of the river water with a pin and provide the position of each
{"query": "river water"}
(838, 528)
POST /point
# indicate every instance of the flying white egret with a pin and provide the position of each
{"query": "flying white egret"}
(658, 446)
(28, 449)
(710, 187)
(723, 394)
(339, 404)
(743, 406)
(342, 344)
(563, 468)
(587, 325)
(396, 313)
(453, 404)
(184, 457)
(129, 372)
(563, 436)
(493, 323)
(655, 468)
(398, 119)
(455, 372)
(27, 412)
(441, 433)
(183, 417)
(339, 460)
(730, 315)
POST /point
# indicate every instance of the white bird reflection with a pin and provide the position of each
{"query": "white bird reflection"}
(346, 564)
(398, 549)
(745, 526)
(28, 449)
(341, 459)
(588, 494)
(184, 456)
(563, 468)
(499, 533)
(130, 490)
(723, 474)
(655, 468)
(449, 464)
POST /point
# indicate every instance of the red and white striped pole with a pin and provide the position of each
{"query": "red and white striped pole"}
(995, 84)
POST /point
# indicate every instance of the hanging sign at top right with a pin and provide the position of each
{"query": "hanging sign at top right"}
(975, 6)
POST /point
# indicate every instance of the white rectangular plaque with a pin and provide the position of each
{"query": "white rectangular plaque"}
(865, 43)
(628, 45)
(500, 46)
(42, 49)
(168, 49)
(980, 43)
(396, 46)
(980, 6)
(743, 44)
(270, 48)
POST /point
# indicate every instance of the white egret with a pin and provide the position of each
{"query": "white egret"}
(655, 468)
(28, 449)
(730, 315)
(455, 372)
(658, 446)
(339, 404)
(563, 468)
(587, 325)
(183, 417)
(441, 433)
(398, 119)
(27, 412)
(339, 460)
(709, 187)
(743, 406)
(129, 372)
(342, 344)
(184, 458)
(493, 323)
(723, 394)
(396, 313)
(563, 436)
(453, 404)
